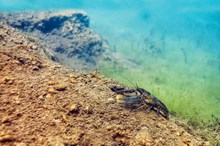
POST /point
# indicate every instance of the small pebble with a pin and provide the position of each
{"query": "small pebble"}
(74, 81)
(60, 87)
(52, 90)
(88, 109)
(74, 108)
(6, 138)
(35, 68)
(48, 96)
(111, 100)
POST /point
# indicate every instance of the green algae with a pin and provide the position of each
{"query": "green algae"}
(189, 89)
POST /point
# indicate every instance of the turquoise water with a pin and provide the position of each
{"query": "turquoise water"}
(176, 45)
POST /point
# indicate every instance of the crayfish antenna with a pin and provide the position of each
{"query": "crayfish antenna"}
(134, 85)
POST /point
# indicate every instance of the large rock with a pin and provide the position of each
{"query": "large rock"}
(66, 33)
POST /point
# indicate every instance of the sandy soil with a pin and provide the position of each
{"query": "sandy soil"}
(43, 103)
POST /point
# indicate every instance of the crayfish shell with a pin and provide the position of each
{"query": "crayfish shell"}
(119, 97)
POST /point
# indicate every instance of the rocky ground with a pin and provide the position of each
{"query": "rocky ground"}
(65, 33)
(44, 103)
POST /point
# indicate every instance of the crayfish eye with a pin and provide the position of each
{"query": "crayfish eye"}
(140, 90)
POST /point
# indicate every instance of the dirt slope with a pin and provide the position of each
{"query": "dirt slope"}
(43, 103)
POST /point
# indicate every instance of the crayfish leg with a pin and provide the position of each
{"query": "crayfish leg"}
(158, 112)
(138, 108)
(149, 108)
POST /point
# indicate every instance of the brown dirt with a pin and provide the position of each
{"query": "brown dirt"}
(43, 103)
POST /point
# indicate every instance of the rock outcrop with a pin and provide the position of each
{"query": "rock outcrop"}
(65, 33)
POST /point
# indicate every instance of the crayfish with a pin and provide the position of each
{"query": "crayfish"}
(141, 97)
